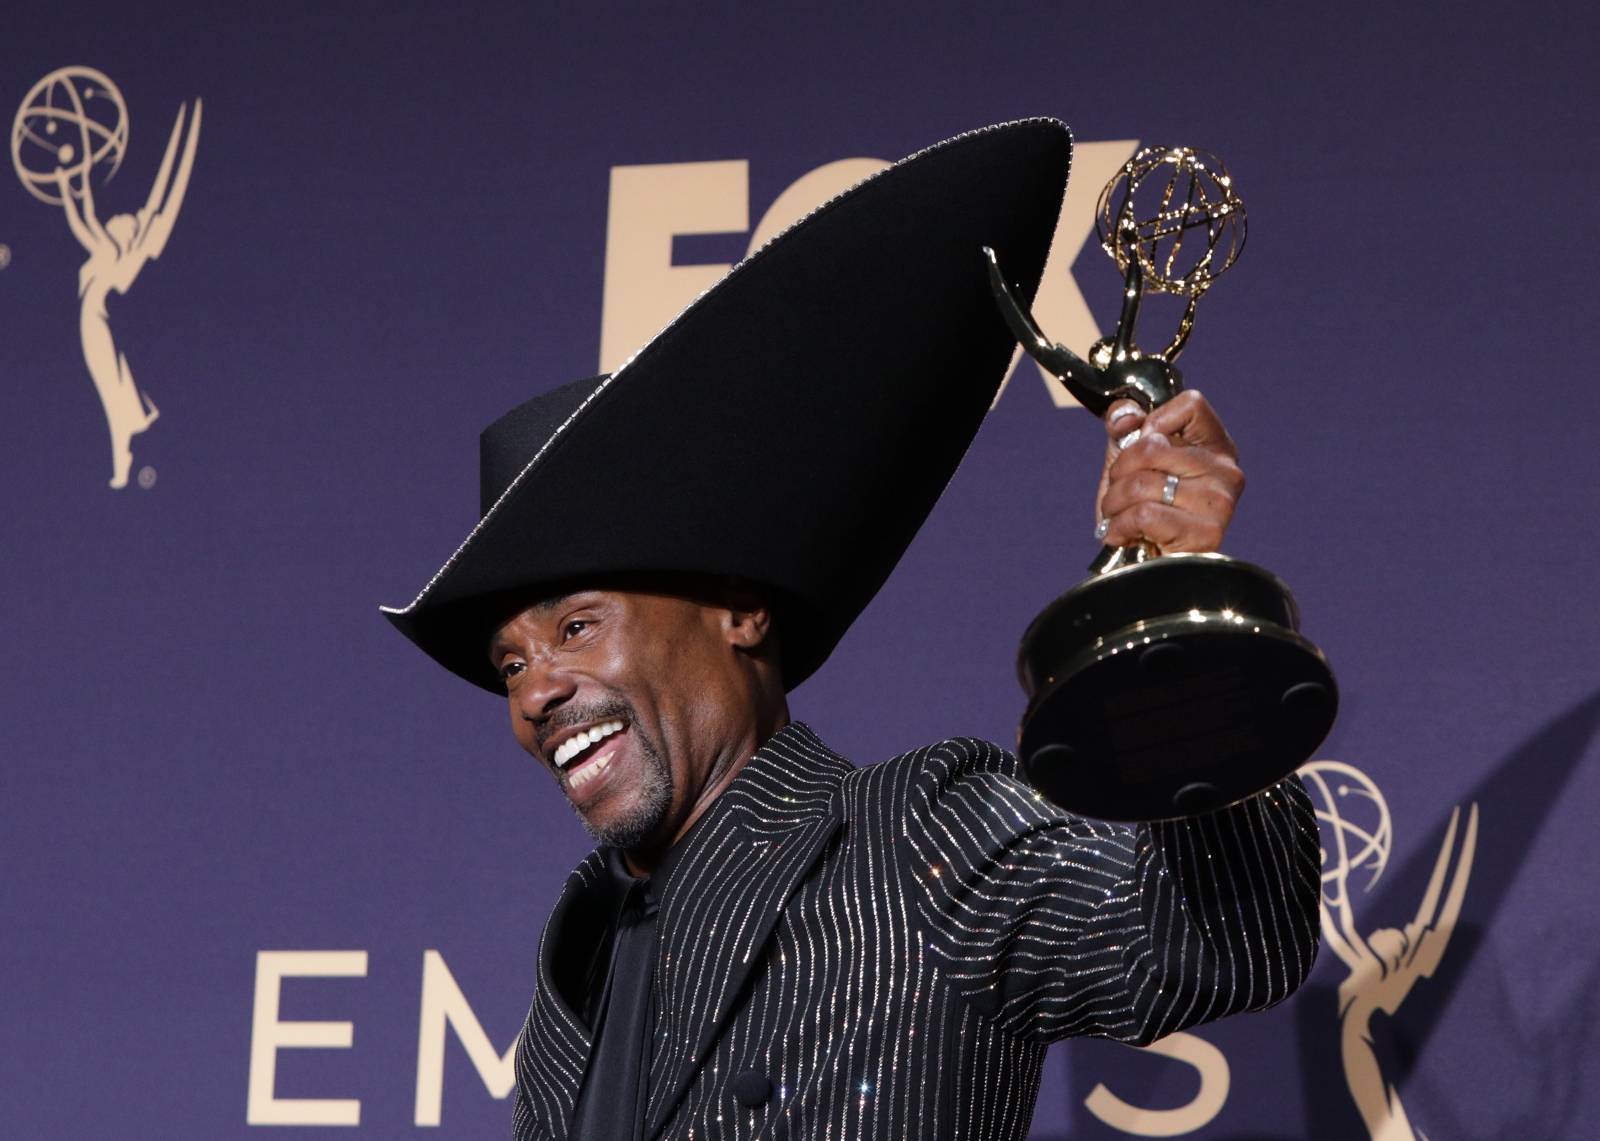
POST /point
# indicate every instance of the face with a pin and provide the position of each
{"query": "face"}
(641, 705)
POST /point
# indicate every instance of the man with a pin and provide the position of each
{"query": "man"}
(771, 942)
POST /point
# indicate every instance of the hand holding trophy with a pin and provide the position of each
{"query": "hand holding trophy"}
(1165, 684)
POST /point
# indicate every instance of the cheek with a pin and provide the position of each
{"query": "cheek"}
(520, 729)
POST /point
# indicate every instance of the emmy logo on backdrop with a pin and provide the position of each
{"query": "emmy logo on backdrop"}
(1384, 966)
(71, 125)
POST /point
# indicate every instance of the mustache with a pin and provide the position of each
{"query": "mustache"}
(569, 717)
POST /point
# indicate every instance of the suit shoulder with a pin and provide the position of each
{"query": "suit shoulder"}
(956, 758)
(927, 774)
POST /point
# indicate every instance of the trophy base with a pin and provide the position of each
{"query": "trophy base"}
(1132, 717)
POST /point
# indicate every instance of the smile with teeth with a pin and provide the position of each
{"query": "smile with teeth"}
(579, 744)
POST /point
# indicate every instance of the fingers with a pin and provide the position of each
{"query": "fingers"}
(1153, 451)
(1189, 418)
(1122, 419)
(1168, 529)
(1184, 438)
(1207, 495)
(1195, 520)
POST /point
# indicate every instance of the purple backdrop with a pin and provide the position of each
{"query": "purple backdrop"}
(396, 226)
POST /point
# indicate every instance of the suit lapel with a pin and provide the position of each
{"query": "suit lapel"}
(726, 895)
(554, 1050)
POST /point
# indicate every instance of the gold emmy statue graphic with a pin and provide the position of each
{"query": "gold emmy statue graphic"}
(73, 124)
(1384, 965)
(1165, 684)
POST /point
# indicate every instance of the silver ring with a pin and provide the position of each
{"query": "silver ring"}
(1170, 491)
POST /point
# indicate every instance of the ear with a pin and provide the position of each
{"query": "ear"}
(746, 621)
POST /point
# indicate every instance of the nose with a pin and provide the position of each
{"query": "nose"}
(542, 689)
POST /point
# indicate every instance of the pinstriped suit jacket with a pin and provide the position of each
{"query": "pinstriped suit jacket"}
(892, 948)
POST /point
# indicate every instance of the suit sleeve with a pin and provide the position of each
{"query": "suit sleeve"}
(1057, 926)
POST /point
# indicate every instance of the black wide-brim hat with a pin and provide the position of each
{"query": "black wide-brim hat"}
(791, 428)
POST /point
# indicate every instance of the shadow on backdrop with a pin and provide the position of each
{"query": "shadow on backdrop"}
(1516, 798)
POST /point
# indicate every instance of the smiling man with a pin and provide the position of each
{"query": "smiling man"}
(644, 704)
(770, 942)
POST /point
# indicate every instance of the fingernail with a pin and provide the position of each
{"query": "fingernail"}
(1128, 439)
(1123, 413)
(1101, 528)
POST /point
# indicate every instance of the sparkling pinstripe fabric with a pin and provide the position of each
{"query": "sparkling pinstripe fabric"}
(894, 947)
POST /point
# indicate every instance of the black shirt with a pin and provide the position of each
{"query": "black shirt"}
(611, 1103)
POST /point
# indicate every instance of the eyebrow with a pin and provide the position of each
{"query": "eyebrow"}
(497, 644)
(546, 605)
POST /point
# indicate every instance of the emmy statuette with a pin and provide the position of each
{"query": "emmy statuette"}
(1163, 685)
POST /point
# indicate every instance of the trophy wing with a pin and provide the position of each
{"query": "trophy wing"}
(1429, 934)
(1062, 362)
(166, 195)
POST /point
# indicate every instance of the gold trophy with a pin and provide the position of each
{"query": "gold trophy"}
(1162, 685)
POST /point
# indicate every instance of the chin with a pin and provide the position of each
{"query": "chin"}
(630, 827)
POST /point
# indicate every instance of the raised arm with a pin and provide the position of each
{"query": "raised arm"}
(1059, 926)
(160, 210)
(1248, 900)
(1056, 925)
(1344, 939)
(85, 226)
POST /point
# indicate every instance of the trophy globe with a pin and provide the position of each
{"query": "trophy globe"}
(1174, 211)
(74, 120)
(1355, 826)
(1164, 685)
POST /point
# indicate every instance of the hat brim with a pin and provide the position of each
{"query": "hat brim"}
(792, 427)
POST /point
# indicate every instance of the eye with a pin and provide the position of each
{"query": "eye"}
(511, 668)
(573, 627)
